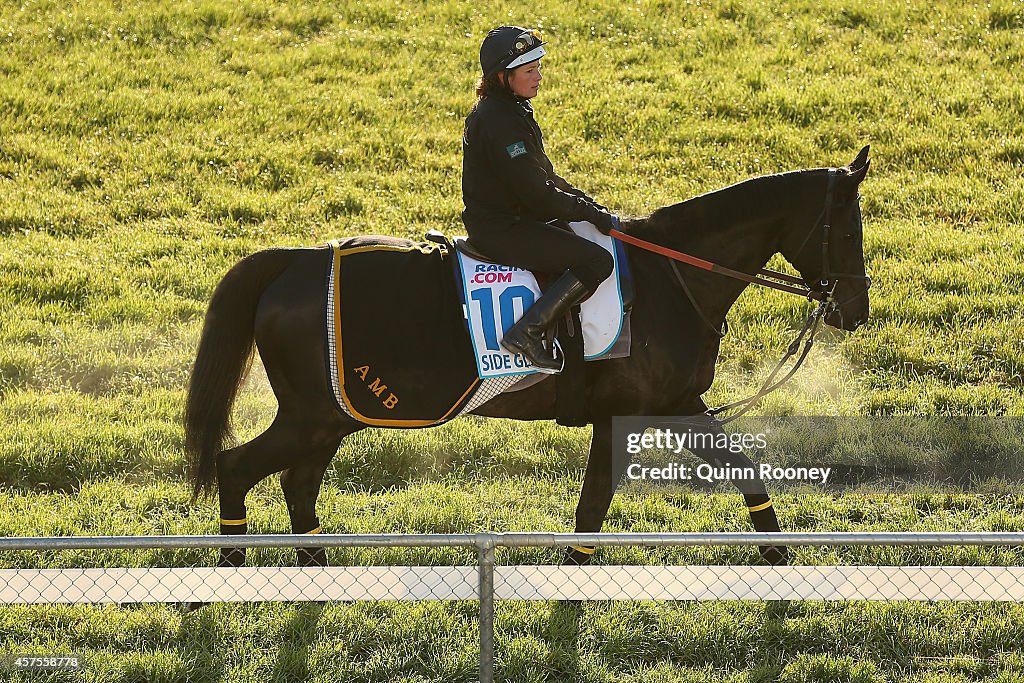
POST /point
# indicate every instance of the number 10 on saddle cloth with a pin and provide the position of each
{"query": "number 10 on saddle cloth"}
(496, 297)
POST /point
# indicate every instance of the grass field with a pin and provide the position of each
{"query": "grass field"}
(145, 147)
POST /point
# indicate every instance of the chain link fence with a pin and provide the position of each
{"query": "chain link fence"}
(41, 571)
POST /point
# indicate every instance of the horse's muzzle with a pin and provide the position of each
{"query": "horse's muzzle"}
(836, 318)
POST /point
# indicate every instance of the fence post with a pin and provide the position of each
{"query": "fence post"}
(485, 544)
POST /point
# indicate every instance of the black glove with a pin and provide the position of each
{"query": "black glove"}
(603, 220)
(584, 195)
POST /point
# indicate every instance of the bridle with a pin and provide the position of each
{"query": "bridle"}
(823, 292)
(828, 279)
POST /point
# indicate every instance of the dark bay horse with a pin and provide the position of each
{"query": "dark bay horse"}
(276, 298)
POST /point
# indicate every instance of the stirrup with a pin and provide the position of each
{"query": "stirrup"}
(556, 347)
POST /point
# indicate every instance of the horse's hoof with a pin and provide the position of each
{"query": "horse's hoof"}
(575, 558)
(189, 607)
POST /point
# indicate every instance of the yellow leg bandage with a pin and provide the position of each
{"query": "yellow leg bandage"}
(314, 531)
(583, 549)
(762, 506)
(232, 522)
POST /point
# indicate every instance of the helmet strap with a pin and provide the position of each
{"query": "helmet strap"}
(503, 80)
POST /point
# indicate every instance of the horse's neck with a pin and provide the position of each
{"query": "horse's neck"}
(738, 227)
(747, 252)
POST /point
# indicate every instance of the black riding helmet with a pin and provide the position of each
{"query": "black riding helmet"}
(507, 47)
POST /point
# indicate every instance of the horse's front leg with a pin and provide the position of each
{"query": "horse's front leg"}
(755, 494)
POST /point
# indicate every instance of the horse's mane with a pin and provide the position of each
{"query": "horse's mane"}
(727, 205)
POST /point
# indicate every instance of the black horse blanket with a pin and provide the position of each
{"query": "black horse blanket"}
(399, 352)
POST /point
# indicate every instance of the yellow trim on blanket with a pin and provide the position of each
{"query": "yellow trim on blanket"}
(376, 422)
(336, 245)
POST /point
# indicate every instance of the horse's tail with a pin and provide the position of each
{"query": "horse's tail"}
(222, 361)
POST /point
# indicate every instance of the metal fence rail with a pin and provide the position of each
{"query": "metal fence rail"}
(488, 582)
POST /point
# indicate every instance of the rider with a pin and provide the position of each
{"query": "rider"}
(512, 193)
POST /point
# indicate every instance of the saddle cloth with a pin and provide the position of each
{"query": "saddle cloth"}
(399, 353)
(496, 296)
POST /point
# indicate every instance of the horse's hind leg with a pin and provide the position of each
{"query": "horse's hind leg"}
(301, 485)
(599, 485)
(288, 442)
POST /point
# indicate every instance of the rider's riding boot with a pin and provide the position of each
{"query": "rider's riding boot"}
(526, 336)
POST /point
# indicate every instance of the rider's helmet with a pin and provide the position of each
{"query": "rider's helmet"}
(507, 47)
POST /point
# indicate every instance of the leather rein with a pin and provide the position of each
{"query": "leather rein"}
(760, 279)
(774, 280)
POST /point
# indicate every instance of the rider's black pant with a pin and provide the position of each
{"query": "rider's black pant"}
(539, 246)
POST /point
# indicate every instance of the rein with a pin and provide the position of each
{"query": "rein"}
(813, 323)
(762, 277)
(774, 280)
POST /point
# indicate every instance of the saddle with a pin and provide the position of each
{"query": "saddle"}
(624, 272)
(494, 296)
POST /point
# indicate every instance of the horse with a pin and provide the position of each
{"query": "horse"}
(275, 299)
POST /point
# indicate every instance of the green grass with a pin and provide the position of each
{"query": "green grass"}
(535, 641)
(384, 642)
(144, 148)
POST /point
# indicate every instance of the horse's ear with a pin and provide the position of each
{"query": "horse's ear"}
(861, 160)
(858, 173)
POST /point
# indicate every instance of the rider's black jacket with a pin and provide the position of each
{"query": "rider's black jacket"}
(506, 176)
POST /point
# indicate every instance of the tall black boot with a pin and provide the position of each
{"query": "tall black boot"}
(526, 336)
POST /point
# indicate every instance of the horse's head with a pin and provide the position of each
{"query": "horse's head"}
(830, 257)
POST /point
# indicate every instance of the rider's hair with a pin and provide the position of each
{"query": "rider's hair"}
(485, 86)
